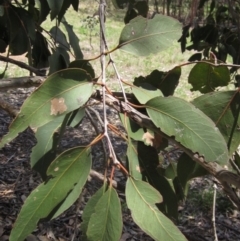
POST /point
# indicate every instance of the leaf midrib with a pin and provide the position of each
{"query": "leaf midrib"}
(57, 180)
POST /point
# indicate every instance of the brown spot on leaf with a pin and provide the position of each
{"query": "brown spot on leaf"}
(58, 106)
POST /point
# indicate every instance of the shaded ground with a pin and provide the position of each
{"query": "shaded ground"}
(17, 180)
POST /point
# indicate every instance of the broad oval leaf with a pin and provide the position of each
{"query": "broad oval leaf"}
(144, 36)
(65, 172)
(141, 198)
(189, 126)
(106, 222)
(60, 94)
(222, 107)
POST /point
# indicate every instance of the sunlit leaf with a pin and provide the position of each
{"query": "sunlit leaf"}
(64, 173)
(106, 222)
(189, 126)
(60, 94)
(144, 36)
(141, 199)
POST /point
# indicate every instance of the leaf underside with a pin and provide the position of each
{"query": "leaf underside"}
(189, 126)
(145, 213)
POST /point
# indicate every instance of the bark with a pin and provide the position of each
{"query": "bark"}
(40, 72)
(21, 82)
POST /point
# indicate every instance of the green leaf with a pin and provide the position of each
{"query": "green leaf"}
(188, 169)
(66, 4)
(89, 210)
(76, 117)
(75, 4)
(134, 132)
(133, 161)
(21, 28)
(60, 94)
(149, 162)
(206, 78)
(106, 222)
(73, 39)
(145, 36)
(64, 173)
(58, 60)
(145, 92)
(222, 107)
(164, 81)
(60, 38)
(55, 6)
(44, 10)
(189, 126)
(74, 193)
(141, 199)
(40, 52)
(43, 153)
(83, 64)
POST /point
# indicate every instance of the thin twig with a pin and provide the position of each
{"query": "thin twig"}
(102, 7)
(105, 154)
(40, 72)
(213, 212)
(101, 177)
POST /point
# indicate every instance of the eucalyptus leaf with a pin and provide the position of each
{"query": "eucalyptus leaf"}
(64, 173)
(189, 126)
(144, 36)
(106, 222)
(223, 108)
(73, 39)
(145, 213)
(89, 210)
(44, 153)
(60, 94)
(206, 78)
